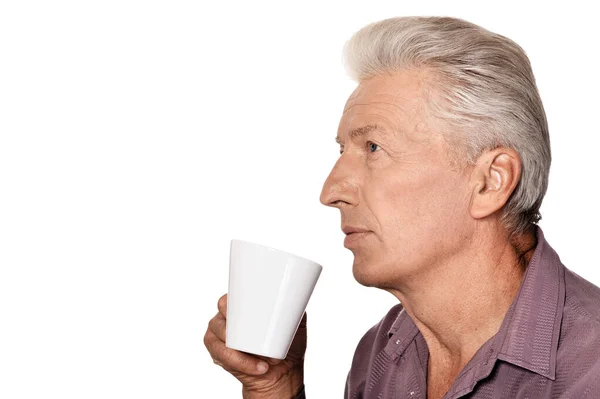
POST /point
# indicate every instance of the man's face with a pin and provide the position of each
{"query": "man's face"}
(394, 180)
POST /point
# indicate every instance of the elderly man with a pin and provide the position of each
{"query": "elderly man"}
(444, 164)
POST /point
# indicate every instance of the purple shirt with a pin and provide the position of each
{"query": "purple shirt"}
(548, 345)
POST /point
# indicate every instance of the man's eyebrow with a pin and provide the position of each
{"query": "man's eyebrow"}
(361, 131)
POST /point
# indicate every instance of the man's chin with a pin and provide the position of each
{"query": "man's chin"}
(366, 274)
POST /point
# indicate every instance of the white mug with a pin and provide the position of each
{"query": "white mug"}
(268, 293)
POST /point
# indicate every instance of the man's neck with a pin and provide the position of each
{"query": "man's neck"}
(461, 304)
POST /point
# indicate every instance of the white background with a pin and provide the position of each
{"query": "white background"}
(138, 137)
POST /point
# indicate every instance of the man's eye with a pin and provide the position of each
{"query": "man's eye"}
(372, 146)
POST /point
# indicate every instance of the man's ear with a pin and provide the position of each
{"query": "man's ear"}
(496, 174)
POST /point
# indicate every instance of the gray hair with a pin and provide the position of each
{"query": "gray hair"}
(488, 94)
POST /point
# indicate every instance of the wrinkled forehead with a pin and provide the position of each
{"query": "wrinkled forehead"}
(394, 102)
(403, 89)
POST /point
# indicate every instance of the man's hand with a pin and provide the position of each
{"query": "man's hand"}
(261, 377)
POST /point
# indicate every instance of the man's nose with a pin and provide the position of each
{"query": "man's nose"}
(341, 186)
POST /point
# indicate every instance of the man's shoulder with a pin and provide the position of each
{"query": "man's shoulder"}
(578, 362)
(580, 326)
(582, 299)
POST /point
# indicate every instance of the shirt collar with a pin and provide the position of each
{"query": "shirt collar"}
(533, 328)
(401, 333)
(528, 336)
(397, 321)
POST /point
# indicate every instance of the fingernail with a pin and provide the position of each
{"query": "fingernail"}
(262, 367)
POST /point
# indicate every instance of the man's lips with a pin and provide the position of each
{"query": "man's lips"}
(352, 229)
(354, 235)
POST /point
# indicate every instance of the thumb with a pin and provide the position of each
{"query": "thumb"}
(303, 321)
